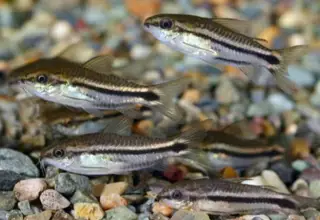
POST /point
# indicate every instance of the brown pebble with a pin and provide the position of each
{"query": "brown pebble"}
(97, 189)
(46, 215)
(112, 201)
(268, 129)
(229, 172)
(88, 211)
(29, 189)
(300, 148)
(143, 127)
(143, 8)
(52, 200)
(162, 208)
(192, 95)
(61, 215)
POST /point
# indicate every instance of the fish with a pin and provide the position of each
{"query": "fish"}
(67, 122)
(91, 86)
(224, 41)
(228, 197)
(221, 149)
(106, 153)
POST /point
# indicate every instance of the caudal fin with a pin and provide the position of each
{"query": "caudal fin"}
(280, 73)
(167, 92)
(195, 135)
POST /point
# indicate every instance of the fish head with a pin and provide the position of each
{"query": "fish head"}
(164, 27)
(176, 196)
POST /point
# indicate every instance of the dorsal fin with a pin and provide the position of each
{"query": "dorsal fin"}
(240, 26)
(72, 50)
(100, 64)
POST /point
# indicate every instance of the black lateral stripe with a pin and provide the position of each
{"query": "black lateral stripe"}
(148, 96)
(232, 61)
(175, 148)
(271, 153)
(283, 203)
(269, 58)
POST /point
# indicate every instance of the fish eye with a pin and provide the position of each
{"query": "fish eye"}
(42, 79)
(166, 23)
(176, 194)
(58, 153)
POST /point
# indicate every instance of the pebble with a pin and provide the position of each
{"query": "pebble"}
(52, 200)
(112, 201)
(300, 75)
(61, 215)
(192, 95)
(190, 215)
(8, 179)
(280, 103)
(272, 179)
(46, 215)
(29, 189)
(300, 187)
(11, 160)
(7, 200)
(311, 214)
(89, 211)
(27, 209)
(61, 30)
(68, 183)
(226, 92)
(82, 197)
(120, 212)
(229, 172)
(140, 51)
(315, 188)
(259, 109)
(300, 165)
(143, 8)
(300, 148)
(162, 208)
(285, 172)
(15, 215)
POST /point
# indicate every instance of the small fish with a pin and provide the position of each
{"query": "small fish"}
(69, 122)
(221, 149)
(105, 153)
(223, 41)
(226, 197)
(92, 87)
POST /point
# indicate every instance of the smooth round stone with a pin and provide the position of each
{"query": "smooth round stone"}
(300, 165)
(300, 75)
(17, 162)
(52, 200)
(67, 183)
(315, 188)
(280, 103)
(140, 51)
(7, 200)
(272, 179)
(29, 189)
(8, 179)
(121, 212)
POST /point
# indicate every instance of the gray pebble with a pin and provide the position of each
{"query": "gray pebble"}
(144, 216)
(8, 179)
(3, 214)
(120, 213)
(27, 209)
(260, 109)
(311, 214)
(67, 183)
(17, 162)
(15, 215)
(280, 103)
(300, 75)
(315, 188)
(82, 197)
(7, 200)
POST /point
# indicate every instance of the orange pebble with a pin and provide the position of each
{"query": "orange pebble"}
(112, 201)
(229, 172)
(143, 8)
(162, 208)
(192, 95)
(268, 129)
(300, 148)
(97, 189)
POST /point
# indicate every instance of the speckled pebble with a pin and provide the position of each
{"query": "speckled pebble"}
(68, 183)
(29, 189)
(89, 211)
(120, 212)
(52, 200)
(7, 200)
(46, 215)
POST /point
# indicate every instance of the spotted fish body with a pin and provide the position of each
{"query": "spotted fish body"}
(221, 41)
(227, 197)
(87, 87)
(105, 153)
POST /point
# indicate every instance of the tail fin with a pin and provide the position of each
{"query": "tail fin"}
(288, 55)
(167, 91)
(194, 136)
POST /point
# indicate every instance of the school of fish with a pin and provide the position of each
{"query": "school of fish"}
(97, 107)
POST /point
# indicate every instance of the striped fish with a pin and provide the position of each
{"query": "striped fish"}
(222, 149)
(223, 41)
(224, 197)
(105, 153)
(91, 87)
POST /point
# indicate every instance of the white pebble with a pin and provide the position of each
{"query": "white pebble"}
(61, 30)
(272, 179)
